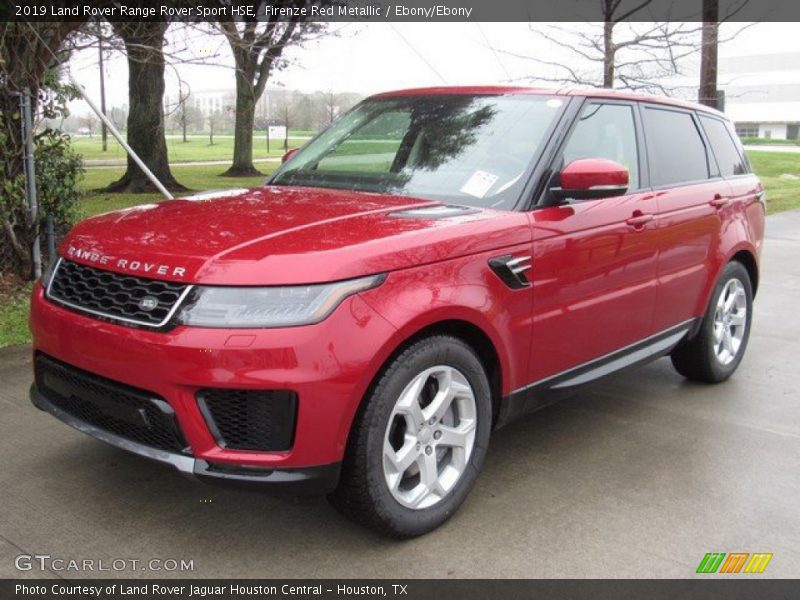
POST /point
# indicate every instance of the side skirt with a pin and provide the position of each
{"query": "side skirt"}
(544, 392)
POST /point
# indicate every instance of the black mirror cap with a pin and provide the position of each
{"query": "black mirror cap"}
(594, 193)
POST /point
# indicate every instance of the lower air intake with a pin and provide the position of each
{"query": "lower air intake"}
(262, 420)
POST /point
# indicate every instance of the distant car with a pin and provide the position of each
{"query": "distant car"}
(433, 265)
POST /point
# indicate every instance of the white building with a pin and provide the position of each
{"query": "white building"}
(762, 94)
(207, 101)
(224, 100)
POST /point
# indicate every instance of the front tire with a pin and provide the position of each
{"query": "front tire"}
(419, 440)
(715, 352)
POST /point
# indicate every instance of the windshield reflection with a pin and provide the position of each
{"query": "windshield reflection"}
(472, 150)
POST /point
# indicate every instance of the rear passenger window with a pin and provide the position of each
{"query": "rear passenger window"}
(606, 131)
(676, 151)
(724, 148)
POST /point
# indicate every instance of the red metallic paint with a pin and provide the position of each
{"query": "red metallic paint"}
(566, 92)
(606, 273)
(289, 154)
(319, 362)
(594, 281)
(588, 173)
(268, 236)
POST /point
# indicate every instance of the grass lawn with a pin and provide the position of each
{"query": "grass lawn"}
(198, 178)
(194, 149)
(14, 317)
(754, 141)
(781, 194)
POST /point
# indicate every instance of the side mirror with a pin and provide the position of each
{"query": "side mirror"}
(289, 154)
(590, 178)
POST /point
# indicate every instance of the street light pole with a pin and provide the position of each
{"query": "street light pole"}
(104, 129)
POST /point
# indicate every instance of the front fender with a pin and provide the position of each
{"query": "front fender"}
(464, 289)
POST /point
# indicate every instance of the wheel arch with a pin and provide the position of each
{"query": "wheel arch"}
(744, 255)
(464, 329)
(748, 260)
(477, 339)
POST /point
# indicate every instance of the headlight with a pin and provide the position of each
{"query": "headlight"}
(255, 307)
(47, 274)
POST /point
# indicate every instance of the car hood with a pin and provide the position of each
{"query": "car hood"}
(283, 235)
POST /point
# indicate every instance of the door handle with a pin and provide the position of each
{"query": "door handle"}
(719, 201)
(637, 221)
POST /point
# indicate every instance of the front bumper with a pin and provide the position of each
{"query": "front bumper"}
(328, 365)
(310, 480)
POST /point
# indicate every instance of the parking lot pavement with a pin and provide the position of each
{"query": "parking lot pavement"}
(637, 476)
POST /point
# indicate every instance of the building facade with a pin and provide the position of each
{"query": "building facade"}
(762, 94)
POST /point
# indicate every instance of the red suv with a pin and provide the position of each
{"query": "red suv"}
(433, 265)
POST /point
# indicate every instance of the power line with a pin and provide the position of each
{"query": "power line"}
(496, 55)
(410, 45)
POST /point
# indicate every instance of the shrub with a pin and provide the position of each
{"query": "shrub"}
(58, 172)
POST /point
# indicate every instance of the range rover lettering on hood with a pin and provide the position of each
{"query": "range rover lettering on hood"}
(138, 266)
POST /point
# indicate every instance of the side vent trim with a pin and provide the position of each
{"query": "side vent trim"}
(511, 269)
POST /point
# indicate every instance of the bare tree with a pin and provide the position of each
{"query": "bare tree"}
(331, 107)
(119, 116)
(182, 109)
(215, 120)
(258, 51)
(620, 51)
(89, 121)
(305, 115)
(285, 110)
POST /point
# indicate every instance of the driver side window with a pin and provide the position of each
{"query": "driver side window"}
(606, 131)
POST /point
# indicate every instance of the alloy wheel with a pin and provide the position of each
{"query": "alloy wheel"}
(430, 437)
(730, 321)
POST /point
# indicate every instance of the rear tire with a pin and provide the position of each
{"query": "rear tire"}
(419, 440)
(715, 352)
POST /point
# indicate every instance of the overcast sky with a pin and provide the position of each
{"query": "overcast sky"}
(368, 58)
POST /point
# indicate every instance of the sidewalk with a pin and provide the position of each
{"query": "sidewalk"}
(775, 148)
(121, 162)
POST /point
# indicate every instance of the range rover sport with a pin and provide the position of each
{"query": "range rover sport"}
(433, 265)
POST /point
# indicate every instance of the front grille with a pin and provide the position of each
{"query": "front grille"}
(114, 296)
(250, 419)
(134, 414)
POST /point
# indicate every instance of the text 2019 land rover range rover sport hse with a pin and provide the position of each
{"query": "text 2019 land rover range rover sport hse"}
(436, 263)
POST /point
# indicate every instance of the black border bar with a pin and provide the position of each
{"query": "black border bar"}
(730, 588)
(369, 11)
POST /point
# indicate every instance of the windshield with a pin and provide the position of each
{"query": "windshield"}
(460, 149)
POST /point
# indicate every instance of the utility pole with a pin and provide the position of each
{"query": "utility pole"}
(104, 130)
(708, 55)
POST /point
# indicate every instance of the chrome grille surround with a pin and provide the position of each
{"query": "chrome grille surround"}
(114, 296)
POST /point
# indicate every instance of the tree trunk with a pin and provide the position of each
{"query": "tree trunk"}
(143, 44)
(609, 54)
(243, 129)
(708, 58)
